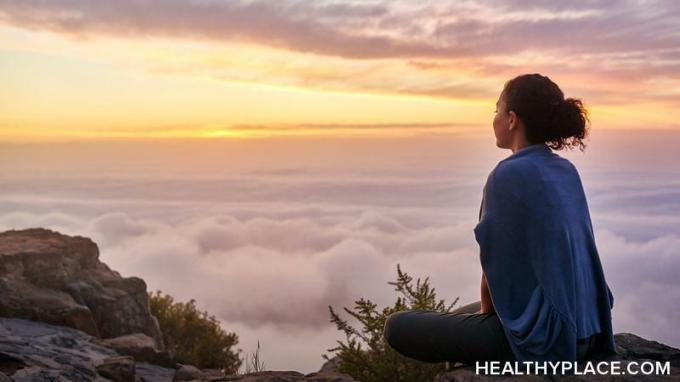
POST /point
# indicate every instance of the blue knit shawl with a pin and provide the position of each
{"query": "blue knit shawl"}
(537, 250)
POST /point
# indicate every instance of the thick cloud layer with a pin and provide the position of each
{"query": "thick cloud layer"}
(268, 248)
(608, 43)
(373, 30)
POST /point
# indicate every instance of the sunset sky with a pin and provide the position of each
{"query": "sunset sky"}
(271, 158)
(177, 68)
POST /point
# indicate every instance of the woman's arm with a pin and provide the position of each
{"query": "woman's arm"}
(486, 303)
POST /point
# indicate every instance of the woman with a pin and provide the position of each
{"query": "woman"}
(543, 292)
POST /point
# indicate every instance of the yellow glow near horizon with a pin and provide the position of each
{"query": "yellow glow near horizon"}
(92, 88)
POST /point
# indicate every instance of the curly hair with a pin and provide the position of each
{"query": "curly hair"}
(548, 117)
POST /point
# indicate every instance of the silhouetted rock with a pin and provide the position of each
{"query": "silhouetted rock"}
(54, 278)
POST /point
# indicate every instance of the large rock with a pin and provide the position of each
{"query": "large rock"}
(141, 347)
(36, 351)
(147, 372)
(187, 373)
(50, 277)
(118, 368)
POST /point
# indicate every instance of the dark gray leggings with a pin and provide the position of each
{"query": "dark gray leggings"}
(459, 336)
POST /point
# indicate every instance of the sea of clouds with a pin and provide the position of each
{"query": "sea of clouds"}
(266, 234)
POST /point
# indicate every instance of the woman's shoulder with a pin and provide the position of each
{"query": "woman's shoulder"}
(532, 178)
(510, 180)
(532, 168)
(512, 171)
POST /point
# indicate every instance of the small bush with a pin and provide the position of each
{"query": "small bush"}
(195, 337)
(253, 362)
(365, 356)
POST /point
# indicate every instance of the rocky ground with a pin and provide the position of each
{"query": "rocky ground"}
(37, 351)
(65, 316)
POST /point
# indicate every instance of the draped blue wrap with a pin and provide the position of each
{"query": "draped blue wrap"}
(537, 250)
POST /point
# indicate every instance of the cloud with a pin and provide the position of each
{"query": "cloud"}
(282, 273)
(607, 52)
(293, 25)
(643, 278)
(283, 283)
(267, 251)
(446, 29)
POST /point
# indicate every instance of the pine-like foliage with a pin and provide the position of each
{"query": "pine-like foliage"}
(364, 354)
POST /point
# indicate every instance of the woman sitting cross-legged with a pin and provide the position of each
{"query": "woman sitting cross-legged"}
(543, 292)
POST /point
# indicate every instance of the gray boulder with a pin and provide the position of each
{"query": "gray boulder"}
(141, 347)
(36, 351)
(187, 373)
(118, 368)
(58, 279)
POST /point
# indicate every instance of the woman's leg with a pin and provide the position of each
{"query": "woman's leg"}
(447, 337)
(469, 308)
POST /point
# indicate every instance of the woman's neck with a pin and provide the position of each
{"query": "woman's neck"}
(518, 145)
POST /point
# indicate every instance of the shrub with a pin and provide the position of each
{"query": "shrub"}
(364, 355)
(194, 337)
(253, 362)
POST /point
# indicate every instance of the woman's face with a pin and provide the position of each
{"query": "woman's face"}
(501, 123)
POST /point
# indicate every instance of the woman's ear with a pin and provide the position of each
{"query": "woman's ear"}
(512, 122)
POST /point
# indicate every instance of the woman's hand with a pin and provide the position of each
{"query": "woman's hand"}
(486, 305)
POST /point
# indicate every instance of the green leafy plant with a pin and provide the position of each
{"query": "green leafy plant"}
(365, 355)
(194, 336)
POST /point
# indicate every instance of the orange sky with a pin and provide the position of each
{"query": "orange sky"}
(287, 218)
(256, 69)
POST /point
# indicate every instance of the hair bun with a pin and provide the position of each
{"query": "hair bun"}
(547, 115)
